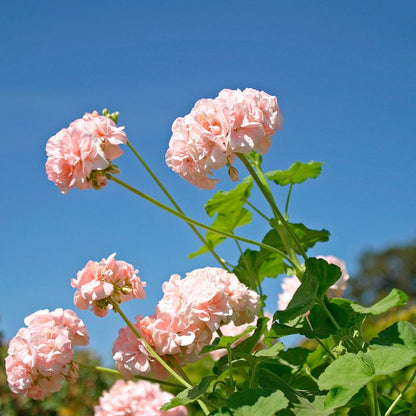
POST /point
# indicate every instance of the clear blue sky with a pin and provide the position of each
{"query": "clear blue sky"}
(344, 73)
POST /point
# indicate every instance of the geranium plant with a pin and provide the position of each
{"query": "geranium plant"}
(218, 311)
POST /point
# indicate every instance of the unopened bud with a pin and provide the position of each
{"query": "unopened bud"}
(233, 173)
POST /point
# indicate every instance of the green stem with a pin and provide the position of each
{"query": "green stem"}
(157, 357)
(265, 190)
(318, 340)
(257, 210)
(175, 204)
(372, 395)
(329, 314)
(118, 374)
(230, 367)
(197, 223)
(393, 405)
(287, 200)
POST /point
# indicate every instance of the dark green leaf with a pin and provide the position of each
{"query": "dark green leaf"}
(297, 173)
(253, 266)
(307, 237)
(302, 301)
(324, 273)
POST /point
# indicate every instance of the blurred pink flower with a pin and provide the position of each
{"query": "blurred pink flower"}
(40, 355)
(80, 154)
(209, 136)
(129, 398)
(291, 284)
(100, 283)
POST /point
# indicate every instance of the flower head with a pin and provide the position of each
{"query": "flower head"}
(100, 283)
(129, 398)
(80, 155)
(216, 129)
(40, 355)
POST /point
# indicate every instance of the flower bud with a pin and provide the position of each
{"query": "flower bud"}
(233, 173)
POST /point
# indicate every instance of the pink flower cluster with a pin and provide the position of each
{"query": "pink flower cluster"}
(129, 398)
(80, 155)
(216, 129)
(99, 284)
(291, 284)
(40, 355)
(191, 310)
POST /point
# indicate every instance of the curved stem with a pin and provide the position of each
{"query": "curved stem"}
(157, 357)
(197, 223)
(257, 210)
(265, 190)
(118, 374)
(393, 405)
(175, 204)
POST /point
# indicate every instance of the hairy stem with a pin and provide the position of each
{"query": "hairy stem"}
(197, 223)
(175, 204)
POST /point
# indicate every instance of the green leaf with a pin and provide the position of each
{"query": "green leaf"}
(248, 344)
(400, 334)
(225, 341)
(324, 273)
(353, 371)
(224, 222)
(307, 237)
(303, 300)
(224, 202)
(191, 394)
(297, 173)
(270, 352)
(253, 266)
(395, 298)
(255, 402)
(221, 412)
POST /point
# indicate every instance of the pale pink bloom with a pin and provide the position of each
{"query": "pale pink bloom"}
(196, 306)
(104, 128)
(215, 130)
(40, 355)
(101, 283)
(243, 301)
(77, 331)
(189, 155)
(79, 156)
(129, 398)
(130, 354)
(291, 284)
(253, 117)
(72, 156)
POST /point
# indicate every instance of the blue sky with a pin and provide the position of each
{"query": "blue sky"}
(344, 74)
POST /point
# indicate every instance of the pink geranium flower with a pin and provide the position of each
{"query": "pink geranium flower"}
(80, 155)
(40, 355)
(216, 129)
(129, 398)
(99, 284)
